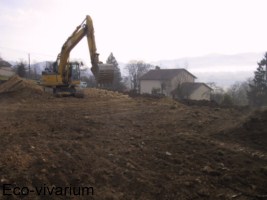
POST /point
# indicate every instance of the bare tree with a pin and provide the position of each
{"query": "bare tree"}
(217, 93)
(135, 70)
(238, 93)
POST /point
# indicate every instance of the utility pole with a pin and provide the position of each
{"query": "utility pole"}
(29, 60)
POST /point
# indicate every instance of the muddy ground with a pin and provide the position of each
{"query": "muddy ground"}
(130, 148)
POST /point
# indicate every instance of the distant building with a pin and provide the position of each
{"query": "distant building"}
(5, 71)
(193, 91)
(177, 83)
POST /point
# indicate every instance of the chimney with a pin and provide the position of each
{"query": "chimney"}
(157, 67)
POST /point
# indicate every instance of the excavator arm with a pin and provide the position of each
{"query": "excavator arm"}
(103, 72)
(92, 46)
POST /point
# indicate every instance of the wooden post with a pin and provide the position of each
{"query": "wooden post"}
(29, 60)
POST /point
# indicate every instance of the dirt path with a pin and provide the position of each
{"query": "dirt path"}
(128, 148)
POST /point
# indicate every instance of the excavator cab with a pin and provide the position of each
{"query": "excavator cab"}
(74, 69)
(51, 77)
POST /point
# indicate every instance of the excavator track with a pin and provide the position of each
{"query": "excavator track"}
(65, 92)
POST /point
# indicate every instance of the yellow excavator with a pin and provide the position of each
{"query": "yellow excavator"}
(63, 76)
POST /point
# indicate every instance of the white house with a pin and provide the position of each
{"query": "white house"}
(194, 91)
(174, 83)
(5, 71)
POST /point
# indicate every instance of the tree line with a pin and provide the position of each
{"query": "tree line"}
(134, 69)
(251, 92)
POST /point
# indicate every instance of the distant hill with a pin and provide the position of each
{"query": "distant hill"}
(224, 70)
(221, 69)
(214, 62)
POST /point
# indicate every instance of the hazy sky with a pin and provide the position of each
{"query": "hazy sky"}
(148, 30)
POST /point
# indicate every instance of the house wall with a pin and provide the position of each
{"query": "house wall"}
(6, 71)
(146, 86)
(182, 77)
(202, 93)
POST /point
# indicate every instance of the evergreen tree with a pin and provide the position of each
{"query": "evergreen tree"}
(117, 82)
(21, 69)
(257, 94)
(227, 100)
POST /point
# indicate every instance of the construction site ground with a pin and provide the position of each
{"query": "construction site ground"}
(129, 148)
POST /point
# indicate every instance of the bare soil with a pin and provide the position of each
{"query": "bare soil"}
(131, 148)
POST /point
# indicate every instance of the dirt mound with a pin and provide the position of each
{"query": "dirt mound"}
(18, 87)
(252, 132)
(101, 93)
(135, 94)
(189, 102)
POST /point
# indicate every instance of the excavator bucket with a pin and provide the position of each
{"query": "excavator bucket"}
(105, 73)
